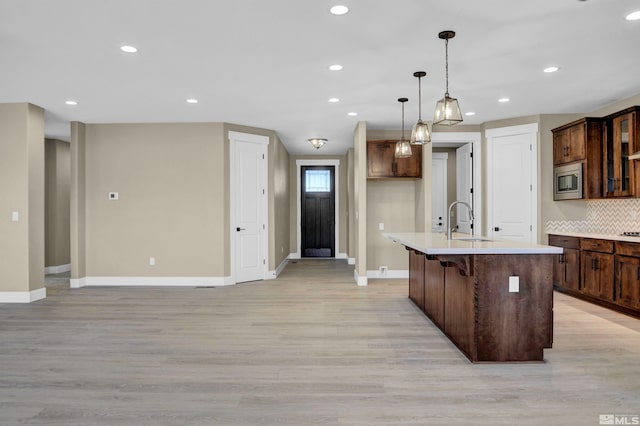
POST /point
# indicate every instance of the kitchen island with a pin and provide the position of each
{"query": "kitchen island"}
(492, 298)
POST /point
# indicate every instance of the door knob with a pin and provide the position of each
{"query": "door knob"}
(240, 229)
(497, 229)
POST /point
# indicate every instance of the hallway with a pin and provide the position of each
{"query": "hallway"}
(310, 347)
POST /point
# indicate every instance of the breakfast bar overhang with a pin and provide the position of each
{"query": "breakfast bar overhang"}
(492, 298)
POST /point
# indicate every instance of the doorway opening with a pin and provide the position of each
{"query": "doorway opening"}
(317, 211)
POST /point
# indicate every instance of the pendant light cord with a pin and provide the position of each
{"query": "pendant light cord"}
(403, 121)
(419, 99)
(446, 64)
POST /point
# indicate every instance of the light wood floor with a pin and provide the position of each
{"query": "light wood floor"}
(307, 348)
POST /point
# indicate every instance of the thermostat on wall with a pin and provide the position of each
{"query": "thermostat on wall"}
(113, 195)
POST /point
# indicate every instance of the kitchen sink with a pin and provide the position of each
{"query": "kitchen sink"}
(472, 239)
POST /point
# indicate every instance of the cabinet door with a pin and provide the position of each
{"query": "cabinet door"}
(416, 278)
(380, 159)
(628, 281)
(560, 146)
(618, 170)
(410, 167)
(572, 269)
(434, 292)
(598, 273)
(577, 141)
(559, 270)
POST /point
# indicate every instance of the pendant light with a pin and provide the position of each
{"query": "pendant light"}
(420, 133)
(447, 109)
(403, 147)
(317, 143)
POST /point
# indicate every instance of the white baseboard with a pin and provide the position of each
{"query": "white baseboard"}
(22, 296)
(151, 281)
(57, 269)
(342, 256)
(361, 281)
(351, 260)
(274, 274)
(294, 256)
(391, 274)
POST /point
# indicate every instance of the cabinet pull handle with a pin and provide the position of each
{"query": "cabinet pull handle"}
(594, 264)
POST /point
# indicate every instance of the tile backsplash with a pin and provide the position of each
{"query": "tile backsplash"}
(608, 217)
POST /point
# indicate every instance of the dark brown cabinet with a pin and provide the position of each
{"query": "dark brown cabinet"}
(581, 141)
(597, 268)
(382, 164)
(621, 140)
(627, 284)
(434, 291)
(566, 268)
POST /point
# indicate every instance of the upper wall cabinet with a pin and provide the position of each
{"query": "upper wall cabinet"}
(382, 164)
(622, 138)
(581, 141)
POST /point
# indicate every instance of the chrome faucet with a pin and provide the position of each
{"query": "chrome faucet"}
(449, 227)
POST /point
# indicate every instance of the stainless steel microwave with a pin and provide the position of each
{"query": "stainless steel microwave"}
(567, 182)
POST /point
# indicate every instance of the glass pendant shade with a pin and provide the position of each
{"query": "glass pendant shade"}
(447, 111)
(420, 133)
(403, 149)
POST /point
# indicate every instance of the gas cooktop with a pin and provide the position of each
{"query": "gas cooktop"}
(631, 234)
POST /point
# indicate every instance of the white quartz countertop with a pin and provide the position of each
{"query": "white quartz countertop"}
(437, 243)
(598, 236)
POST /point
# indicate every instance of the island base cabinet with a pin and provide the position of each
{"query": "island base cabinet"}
(459, 321)
(514, 325)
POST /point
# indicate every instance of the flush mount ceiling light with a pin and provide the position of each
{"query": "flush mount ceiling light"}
(333, 100)
(335, 67)
(403, 147)
(352, 114)
(633, 16)
(550, 69)
(128, 49)
(192, 101)
(470, 113)
(420, 133)
(339, 10)
(447, 109)
(503, 100)
(317, 143)
(71, 102)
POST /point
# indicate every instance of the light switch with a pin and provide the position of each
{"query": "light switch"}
(152, 261)
(381, 226)
(514, 284)
(15, 216)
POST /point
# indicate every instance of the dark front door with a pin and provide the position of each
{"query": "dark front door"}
(317, 211)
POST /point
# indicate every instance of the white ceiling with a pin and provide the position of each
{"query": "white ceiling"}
(265, 63)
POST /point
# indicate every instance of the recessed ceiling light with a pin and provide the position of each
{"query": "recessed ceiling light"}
(192, 101)
(335, 67)
(334, 100)
(633, 16)
(71, 102)
(352, 114)
(551, 69)
(470, 113)
(339, 10)
(504, 100)
(128, 49)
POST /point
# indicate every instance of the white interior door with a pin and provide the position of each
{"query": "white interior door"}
(511, 173)
(249, 195)
(464, 185)
(438, 191)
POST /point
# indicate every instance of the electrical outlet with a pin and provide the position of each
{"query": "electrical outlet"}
(514, 284)
(152, 261)
(383, 271)
(15, 216)
(113, 196)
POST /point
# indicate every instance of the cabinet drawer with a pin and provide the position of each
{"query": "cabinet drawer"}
(562, 241)
(628, 249)
(602, 246)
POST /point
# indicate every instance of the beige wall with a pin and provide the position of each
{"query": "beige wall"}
(78, 234)
(57, 202)
(343, 204)
(22, 191)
